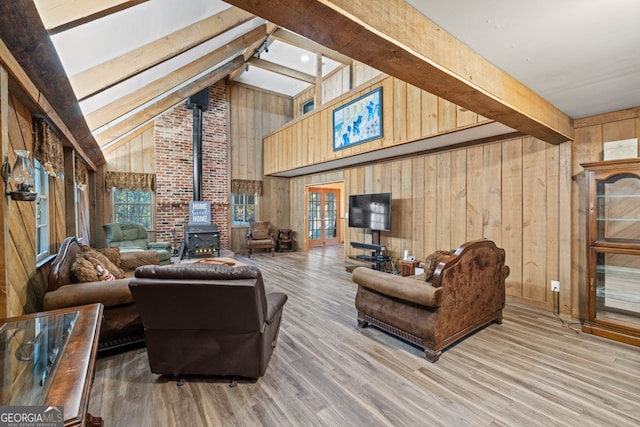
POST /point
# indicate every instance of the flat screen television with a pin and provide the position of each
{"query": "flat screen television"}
(371, 211)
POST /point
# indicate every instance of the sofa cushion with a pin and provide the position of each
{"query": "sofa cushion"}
(130, 260)
(432, 261)
(99, 259)
(113, 254)
(82, 270)
(411, 291)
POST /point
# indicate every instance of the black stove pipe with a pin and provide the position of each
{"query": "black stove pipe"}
(197, 153)
(198, 103)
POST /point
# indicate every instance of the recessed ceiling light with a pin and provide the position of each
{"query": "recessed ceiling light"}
(304, 58)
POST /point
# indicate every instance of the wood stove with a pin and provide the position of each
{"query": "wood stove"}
(200, 239)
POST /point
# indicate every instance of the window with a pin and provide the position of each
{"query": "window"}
(42, 211)
(308, 106)
(133, 206)
(244, 208)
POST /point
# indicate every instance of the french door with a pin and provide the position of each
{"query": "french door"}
(323, 212)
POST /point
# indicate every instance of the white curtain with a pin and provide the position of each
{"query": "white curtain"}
(83, 217)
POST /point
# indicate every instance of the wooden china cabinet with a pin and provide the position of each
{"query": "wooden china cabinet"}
(613, 250)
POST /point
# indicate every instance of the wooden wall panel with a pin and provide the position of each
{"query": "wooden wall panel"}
(590, 135)
(414, 113)
(497, 191)
(399, 128)
(552, 217)
(534, 232)
(512, 218)
(4, 202)
(473, 196)
(447, 113)
(300, 99)
(409, 114)
(252, 114)
(458, 213)
(135, 153)
(26, 284)
(443, 200)
(492, 191)
(21, 257)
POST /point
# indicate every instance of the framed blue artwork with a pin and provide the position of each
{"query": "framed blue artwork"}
(358, 121)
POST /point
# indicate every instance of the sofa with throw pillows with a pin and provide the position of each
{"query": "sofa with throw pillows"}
(459, 293)
(82, 275)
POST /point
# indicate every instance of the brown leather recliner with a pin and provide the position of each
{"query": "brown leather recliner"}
(207, 319)
(260, 236)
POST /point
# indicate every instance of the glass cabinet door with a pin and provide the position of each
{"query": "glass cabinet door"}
(613, 250)
(616, 287)
(618, 209)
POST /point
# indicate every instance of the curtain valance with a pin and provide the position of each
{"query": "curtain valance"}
(246, 186)
(130, 181)
(48, 147)
(82, 175)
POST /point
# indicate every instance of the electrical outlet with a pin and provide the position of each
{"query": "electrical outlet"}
(555, 286)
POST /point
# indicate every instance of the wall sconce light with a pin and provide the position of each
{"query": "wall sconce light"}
(23, 175)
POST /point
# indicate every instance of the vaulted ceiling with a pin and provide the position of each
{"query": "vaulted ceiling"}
(128, 61)
(533, 66)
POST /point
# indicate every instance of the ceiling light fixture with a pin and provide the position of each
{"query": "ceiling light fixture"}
(304, 58)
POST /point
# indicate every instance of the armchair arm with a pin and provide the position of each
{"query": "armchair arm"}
(159, 245)
(109, 293)
(275, 302)
(406, 289)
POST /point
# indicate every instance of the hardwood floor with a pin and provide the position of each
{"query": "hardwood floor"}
(531, 370)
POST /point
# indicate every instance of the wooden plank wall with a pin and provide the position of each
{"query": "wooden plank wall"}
(136, 153)
(590, 135)
(505, 191)
(26, 282)
(336, 84)
(4, 202)
(409, 114)
(252, 114)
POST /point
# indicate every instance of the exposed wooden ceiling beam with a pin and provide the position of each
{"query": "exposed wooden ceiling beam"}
(162, 85)
(288, 37)
(285, 71)
(25, 37)
(396, 39)
(119, 129)
(117, 70)
(61, 15)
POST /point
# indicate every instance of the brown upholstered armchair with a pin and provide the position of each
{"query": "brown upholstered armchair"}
(260, 236)
(207, 319)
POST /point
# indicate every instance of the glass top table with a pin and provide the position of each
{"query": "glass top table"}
(30, 350)
(48, 359)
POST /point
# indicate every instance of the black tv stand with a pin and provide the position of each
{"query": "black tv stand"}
(377, 259)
